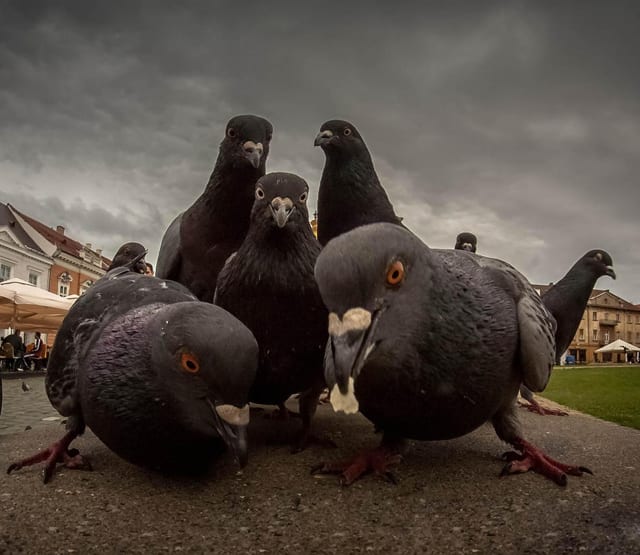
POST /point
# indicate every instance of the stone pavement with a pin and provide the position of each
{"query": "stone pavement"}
(449, 498)
(21, 409)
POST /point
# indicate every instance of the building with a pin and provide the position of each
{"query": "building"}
(76, 266)
(46, 257)
(21, 256)
(606, 318)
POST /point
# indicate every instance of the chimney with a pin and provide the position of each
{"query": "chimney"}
(99, 252)
(87, 246)
(60, 229)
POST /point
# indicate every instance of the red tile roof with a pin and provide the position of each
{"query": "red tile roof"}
(63, 242)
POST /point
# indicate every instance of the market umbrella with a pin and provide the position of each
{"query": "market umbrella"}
(27, 307)
(619, 346)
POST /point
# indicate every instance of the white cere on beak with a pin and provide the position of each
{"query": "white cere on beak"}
(354, 319)
(345, 403)
(234, 415)
(250, 146)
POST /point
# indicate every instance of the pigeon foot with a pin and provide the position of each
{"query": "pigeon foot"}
(378, 460)
(57, 452)
(534, 406)
(532, 458)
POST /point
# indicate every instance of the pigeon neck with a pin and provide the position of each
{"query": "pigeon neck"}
(229, 195)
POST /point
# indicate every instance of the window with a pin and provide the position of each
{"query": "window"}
(617, 316)
(595, 316)
(34, 278)
(606, 315)
(605, 336)
(595, 335)
(637, 319)
(628, 318)
(629, 336)
(64, 279)
(638, 337)
(606, 301)
(5, 271)
(581, 334)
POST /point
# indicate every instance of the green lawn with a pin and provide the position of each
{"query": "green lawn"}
(608, 392)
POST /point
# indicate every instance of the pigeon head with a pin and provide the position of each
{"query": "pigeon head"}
(207, 359)
(126, 254)
(246, 142)
(340, 138)
(281, 200)
(599, 263)
(466, 242)
(369, 279)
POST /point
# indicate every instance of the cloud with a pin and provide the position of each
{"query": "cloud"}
(519, 122)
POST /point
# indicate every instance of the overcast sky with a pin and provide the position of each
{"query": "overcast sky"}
(518, 121)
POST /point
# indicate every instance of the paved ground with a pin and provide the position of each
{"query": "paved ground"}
(448, 500)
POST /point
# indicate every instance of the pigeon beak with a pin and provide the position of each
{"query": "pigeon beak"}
(351, 342)
(610, 272)
(281, 209)
(231, 423)
(323, 137)
(467, 247)
(253, 152)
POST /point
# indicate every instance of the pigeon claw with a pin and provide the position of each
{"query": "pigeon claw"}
(532, 458)
(58, 452)
(378, 461)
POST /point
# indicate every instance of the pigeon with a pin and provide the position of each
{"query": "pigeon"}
(161, 378)
(397, 313)
(350, 192)
(25, 386)
(197, 243)
(567, 301)
(269, 285)
(126, 253)
(466, 241)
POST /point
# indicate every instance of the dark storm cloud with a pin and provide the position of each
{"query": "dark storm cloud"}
(518, 121)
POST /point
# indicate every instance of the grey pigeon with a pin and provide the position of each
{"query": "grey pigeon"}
(128, 252)
(466, 241)
(430, 344)
(161, 378)
(25, 386)
(269, 285)
(350, 192)
(567, 301)
(197, 243)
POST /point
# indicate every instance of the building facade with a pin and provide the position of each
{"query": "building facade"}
(75, 266)
(20, 256)
(46, 257)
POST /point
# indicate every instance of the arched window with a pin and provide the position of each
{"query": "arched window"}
(64, 281)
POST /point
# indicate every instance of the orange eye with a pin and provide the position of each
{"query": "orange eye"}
(395, 273)
(190, 363)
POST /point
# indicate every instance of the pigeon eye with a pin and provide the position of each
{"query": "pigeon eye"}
(395, 273)
(259, 193)
(347, 131)
(190, 363)
(231, 132)
(303, 197)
